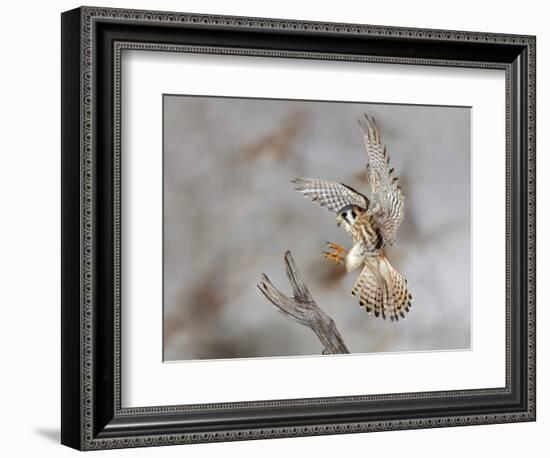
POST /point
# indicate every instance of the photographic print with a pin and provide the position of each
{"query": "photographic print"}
(350, 219)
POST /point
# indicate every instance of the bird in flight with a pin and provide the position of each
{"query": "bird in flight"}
(372, 224)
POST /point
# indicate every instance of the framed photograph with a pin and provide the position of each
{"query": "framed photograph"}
(276, 228)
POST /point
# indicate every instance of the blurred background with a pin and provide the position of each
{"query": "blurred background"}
(230, 213)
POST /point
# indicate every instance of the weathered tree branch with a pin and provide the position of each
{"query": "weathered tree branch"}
(302, 309)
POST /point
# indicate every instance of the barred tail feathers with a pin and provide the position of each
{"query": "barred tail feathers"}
(382, 290)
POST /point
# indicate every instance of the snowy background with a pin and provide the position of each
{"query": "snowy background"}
(230, 213)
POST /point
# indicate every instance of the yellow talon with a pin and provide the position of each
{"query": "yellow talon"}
(337, 248)
(335, 254)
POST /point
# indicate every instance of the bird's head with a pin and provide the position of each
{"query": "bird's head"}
(347, 216)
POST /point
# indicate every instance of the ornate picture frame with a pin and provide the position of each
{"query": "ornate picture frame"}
(93, 416)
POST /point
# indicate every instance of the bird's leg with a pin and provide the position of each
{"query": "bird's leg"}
(335, 253)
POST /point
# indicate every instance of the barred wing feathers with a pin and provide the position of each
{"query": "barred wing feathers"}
(329, 194)
(387, 196)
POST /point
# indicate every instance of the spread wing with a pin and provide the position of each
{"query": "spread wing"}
(334, 196)
(388, 201)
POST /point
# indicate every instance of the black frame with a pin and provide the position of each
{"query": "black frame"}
(92, 42)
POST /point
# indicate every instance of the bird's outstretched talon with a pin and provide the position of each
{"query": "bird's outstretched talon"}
(335, 253)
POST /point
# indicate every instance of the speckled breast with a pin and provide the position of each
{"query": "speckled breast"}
(365, 230)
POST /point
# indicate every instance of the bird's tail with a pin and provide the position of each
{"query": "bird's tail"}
(382, 290)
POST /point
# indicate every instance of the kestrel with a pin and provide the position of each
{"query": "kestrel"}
(372, 224)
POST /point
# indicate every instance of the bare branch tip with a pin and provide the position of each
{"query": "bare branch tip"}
(302, 308)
